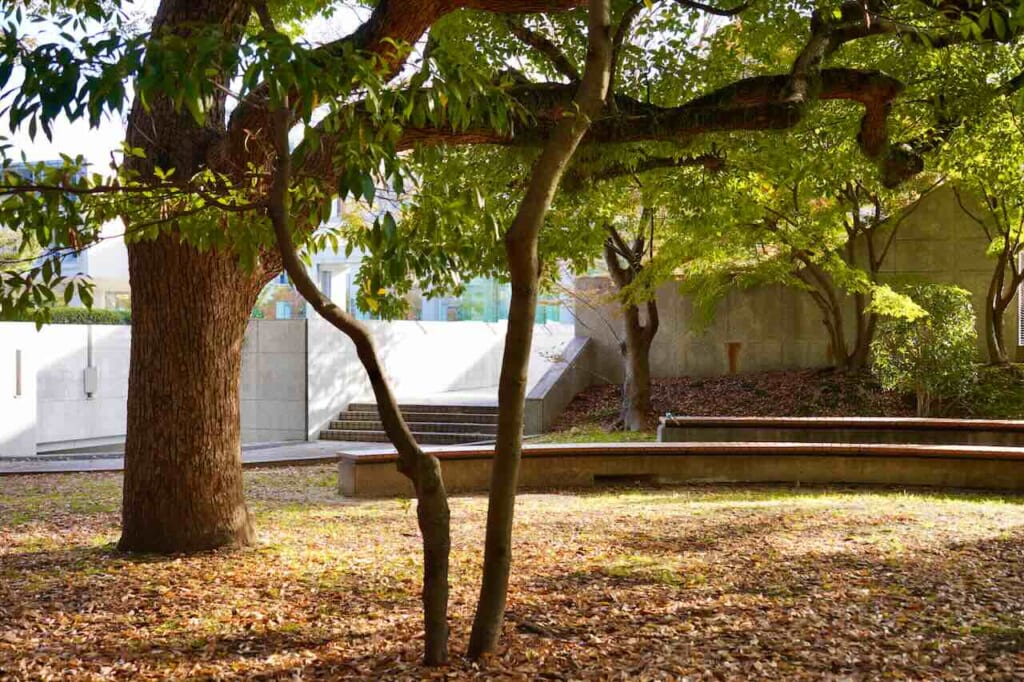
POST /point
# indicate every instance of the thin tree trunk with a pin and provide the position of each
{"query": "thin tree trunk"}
(825, 297)
(524, 270)
(923, 402)
(637, 364)
(638, 337)
(423, 470)
(994, 311)
(857, 360)
(183, 469)
(995, 329)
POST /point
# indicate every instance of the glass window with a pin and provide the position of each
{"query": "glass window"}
(325, 283)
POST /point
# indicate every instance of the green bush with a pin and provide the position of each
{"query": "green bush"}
(930, 355)
(68, 315)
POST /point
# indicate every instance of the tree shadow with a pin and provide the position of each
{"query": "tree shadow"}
(713, 595)
(938, 613)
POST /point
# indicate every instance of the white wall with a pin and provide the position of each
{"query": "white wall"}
(285, 394)
(54, 411)
(273, 390)
(17, 412)
(420, 359)
(65, 413)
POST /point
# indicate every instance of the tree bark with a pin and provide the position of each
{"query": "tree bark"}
(183, 467)
(996, 303)
(995, 343)
(638, 337)
(864, 333)
(636, 389)
(423, 470)
(524, 271)
(924, 402)
(824, 296)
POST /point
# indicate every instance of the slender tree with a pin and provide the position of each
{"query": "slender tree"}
(521, 241)
(625, 262)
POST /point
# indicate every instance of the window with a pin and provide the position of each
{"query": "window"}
(283, 310)
(325, 283)
(117, 300)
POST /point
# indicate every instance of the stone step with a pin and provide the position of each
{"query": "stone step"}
(422, 437)
(430, 427)
(423, 417)
(413, 407)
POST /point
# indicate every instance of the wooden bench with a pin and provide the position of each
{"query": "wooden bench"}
(843, 430)
(372, 473)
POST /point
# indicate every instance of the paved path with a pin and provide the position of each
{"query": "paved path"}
(257, 454)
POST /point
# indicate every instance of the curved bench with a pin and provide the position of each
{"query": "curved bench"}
(372, 473)
(842, 430)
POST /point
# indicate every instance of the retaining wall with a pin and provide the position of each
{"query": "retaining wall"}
(581, 465)
(842, 430)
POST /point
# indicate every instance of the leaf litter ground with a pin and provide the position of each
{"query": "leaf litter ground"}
(695, 582)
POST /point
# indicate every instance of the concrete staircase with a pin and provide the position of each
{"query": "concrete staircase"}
(430, 424)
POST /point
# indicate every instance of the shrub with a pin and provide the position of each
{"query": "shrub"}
(68, 315)
(930, 355)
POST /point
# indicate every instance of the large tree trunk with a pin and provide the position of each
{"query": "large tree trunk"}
(183, 473)
(524, 271)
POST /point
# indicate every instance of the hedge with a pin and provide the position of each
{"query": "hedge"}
(68, 315)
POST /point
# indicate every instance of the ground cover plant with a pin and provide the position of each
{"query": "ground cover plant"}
(745, 582)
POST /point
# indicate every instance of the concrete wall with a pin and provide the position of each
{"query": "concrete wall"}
(766, 328)
(66, 414)
(284, 395)
(775, 327)
(273, 391)
(583, 465)
(17, 407)
(420, 359)
(553, 392)
(54, 411)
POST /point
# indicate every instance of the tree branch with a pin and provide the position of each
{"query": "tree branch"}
(623, 30)
(540, 42)
(711, 9)
(583, 174)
